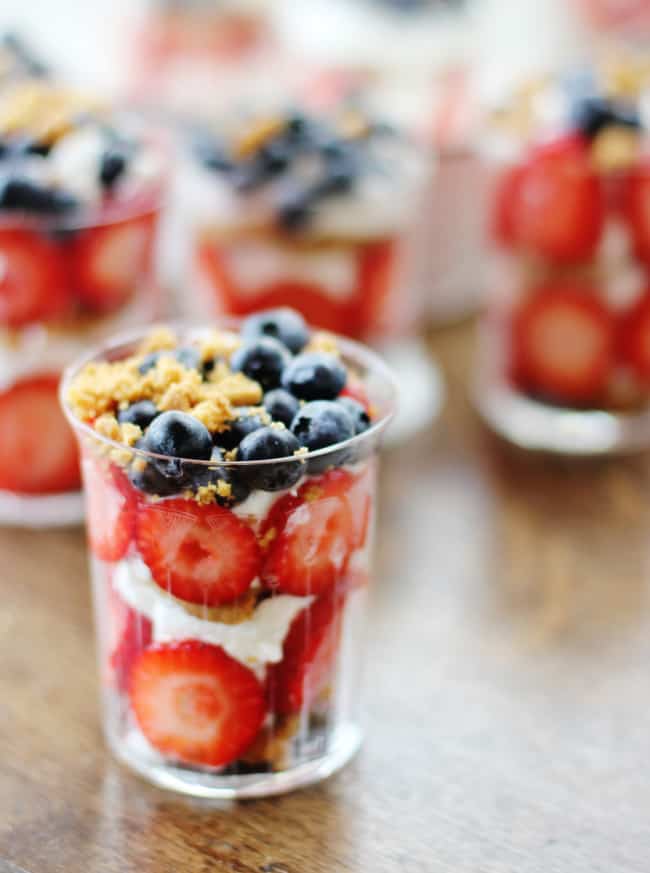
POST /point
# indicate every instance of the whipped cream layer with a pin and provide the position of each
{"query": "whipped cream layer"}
(255, 642)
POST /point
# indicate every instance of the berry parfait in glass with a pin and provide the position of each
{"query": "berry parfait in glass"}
(317, 213)
(409, 62)
(564, 359)
(80, 190)
(230, 481)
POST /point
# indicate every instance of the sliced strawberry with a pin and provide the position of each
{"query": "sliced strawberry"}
(377, 269)
(636, 208)
(563, 344)
(110, 510)
(195, 703)
(505, 205)
(312, 535)
(558, 203)
(314, 304)
(33, 280)
(201, 554)
(131, 634)
(110, 261)
(309, 656)
(38, 451)
(634, 341)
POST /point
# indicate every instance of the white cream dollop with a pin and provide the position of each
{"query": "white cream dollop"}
(255, 642)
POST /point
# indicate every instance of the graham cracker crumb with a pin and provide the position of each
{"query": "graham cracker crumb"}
(239, 389)
(108, 426)
(261, 131)
(238, 611)
(214, 413)
(159, 340)
(219, 344)
(272, 743)
(268, 538)
(207, 494)
(130, 433)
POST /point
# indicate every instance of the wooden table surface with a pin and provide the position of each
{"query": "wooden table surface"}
(508, 688)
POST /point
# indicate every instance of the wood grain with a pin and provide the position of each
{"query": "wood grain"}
(507, 688)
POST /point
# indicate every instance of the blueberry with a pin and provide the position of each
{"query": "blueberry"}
(212, 155)
(322, 423)
(294, 209)
(31, 146)
(263, 445)
(593, 114)
(181, 437)
(341, 170)
(239, 488)
(21, 193)
(239, 428)
(151, 480)
(263, 361)
(186, 355)
(315, 376)
(246, 177)
(275, 157)
(112, 166)
(141, 413)
(281, 406)
(284, 324)
(358, 414)
(189, 357)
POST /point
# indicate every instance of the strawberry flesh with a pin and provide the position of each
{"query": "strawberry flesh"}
(195, 703)
(201, 554)
(38, 451)
(110, 510)
(563, 344)
(309, 656)
(314, 533)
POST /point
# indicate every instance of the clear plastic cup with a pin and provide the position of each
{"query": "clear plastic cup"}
(257, 693)
(65, 285)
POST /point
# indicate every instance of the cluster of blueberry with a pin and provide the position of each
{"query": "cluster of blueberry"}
(301, 410)
(22, 192)
(593, 114)
(314, 158)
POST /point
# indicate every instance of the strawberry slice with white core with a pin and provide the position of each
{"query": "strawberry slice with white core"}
(313, 534)
(38, 450)
(111, 261)
(33, 280)
(309, 657)
(557, 207)
(195, 703)
(110, 510)
(201, 554)
(563, 344)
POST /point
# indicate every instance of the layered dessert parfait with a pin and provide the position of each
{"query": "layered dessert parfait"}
(567, 340)
(230, 481)
(79, 200)
(411, 64)
(307, 211)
